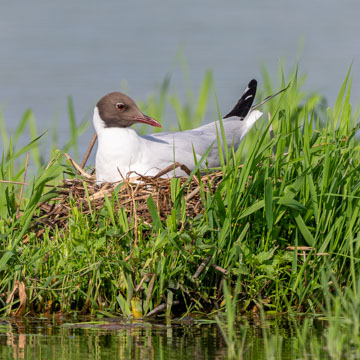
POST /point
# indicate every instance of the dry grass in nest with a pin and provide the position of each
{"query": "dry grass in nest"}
(132, 195)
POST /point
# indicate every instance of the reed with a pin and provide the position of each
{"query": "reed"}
(279, 227)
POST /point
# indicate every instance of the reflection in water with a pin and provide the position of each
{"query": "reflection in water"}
(16, 342)
(114, 339)
(41, 339)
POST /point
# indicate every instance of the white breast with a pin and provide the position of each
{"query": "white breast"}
(118, 148)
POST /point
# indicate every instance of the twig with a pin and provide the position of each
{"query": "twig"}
(100, 194)
(127, 195)
(13, 182)
(88, 151)
(22, 186)
(161, 308)
(142, 280)
(202, 266)
(77, 167)
(192, 194)
(305, 248)
(219, 269)
(269, 98)
(150, 289)
(19, 287)
(173, 167)
(220, 288)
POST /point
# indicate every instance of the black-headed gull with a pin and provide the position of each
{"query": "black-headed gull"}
(121, 150)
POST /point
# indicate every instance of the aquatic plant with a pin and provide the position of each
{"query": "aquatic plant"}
(286, 208)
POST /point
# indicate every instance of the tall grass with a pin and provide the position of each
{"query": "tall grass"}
(279, 193)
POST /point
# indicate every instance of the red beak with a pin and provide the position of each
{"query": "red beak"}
(147, 120)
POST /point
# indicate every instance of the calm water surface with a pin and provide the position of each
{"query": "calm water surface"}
(113, 339)
(116, 339)
(83, 48)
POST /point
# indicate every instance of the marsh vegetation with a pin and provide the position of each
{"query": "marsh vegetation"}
(277, 235)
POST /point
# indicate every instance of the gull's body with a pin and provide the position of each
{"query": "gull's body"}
(121, 150)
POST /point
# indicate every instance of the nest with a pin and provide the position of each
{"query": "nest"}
(132, 195)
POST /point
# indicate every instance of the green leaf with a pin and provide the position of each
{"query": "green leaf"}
(154, 213)
(289, 202)
(269, 204)
(304, 230)
(265, 256)
(339, 99)
(4, 259)
(253, 208)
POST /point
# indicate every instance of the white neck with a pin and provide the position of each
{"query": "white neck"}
(99, 124)
(109, 137)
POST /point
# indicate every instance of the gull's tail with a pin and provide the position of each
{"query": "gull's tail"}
(244, 105)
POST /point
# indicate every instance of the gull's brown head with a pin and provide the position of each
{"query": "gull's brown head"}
(118, 110)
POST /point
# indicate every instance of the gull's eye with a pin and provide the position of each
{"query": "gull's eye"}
(120, 106)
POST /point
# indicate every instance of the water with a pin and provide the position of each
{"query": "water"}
(87, 48)
(116, 339)
(41, 339)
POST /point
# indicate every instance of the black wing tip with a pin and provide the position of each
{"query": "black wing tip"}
(243, 106)
(252, 83)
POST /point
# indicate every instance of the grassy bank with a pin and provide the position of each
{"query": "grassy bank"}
(280, 230)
